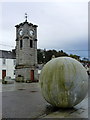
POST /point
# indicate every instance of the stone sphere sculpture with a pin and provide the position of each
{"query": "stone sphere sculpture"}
(64, 82)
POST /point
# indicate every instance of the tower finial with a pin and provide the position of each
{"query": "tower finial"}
(26, 17)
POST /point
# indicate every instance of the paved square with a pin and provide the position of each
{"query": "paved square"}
(24, 100)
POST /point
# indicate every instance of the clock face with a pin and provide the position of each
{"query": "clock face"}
(21, 32)
(31, 32)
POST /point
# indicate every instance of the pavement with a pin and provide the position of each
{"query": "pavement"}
(24, 100)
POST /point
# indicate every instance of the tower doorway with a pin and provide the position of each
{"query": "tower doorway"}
(32, 75)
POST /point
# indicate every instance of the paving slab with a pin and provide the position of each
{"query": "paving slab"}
(24, 100)
(79, 111)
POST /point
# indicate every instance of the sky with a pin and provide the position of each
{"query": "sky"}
(62, 25)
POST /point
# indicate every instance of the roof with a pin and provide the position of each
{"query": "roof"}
(7, 54)
(21, 24)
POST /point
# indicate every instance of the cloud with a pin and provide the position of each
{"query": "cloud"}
(61, 25)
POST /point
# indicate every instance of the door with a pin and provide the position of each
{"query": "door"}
(32, 75)
(3, 74)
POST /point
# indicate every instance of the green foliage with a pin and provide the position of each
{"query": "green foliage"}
(43, 56)
(39, 56)
(75, 57)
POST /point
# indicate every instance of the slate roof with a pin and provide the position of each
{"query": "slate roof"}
(7, 54)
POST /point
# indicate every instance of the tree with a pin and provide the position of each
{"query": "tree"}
(44, 56)
(39, 56)
(75, 57)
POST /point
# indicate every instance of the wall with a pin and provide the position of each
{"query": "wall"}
(25, 72)
(9, 67)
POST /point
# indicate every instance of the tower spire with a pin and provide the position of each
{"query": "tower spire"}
(26, 17)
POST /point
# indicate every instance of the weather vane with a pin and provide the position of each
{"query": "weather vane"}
(26, 17)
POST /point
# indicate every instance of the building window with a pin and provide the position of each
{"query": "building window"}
(14, 62)
(4, 62)
(21, 43)
(31, 43)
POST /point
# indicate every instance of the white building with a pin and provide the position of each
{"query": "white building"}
(7, 63)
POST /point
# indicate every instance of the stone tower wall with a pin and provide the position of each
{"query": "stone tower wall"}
(26, 56)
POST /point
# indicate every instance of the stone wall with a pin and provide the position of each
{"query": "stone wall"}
(26, 56)
(26, 74)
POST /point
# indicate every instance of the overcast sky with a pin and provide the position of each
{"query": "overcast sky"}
(61, 25)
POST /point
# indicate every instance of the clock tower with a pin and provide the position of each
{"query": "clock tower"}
(26, 52)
